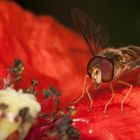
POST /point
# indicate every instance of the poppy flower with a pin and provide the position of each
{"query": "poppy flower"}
(56, 55)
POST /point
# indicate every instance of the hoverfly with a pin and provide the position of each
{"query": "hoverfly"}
(107, 64)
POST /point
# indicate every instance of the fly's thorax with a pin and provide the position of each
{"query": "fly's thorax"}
(100, 69)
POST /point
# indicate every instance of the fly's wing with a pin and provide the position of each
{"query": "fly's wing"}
(94, 35)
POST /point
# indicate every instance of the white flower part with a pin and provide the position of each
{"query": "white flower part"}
(15, 102)
(10, 117)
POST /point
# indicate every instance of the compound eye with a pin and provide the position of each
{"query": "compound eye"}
(92, 63)
(107, 70)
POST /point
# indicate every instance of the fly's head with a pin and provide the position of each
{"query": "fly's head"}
(100, 69)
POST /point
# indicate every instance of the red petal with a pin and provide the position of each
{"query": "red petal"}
(55, 55)
(50, 51)
(4, 75)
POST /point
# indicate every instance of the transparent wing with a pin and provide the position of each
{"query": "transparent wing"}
(94, 35)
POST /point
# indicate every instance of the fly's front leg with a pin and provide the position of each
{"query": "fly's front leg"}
(83, 91)
(127, 84)
(90, 99)
(113, 94)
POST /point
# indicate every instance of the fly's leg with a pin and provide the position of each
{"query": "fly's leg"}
(91, 101)
(127, 84)
(113, 94)
(83, 91)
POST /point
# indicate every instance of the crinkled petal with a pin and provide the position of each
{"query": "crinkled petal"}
(53, 54)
